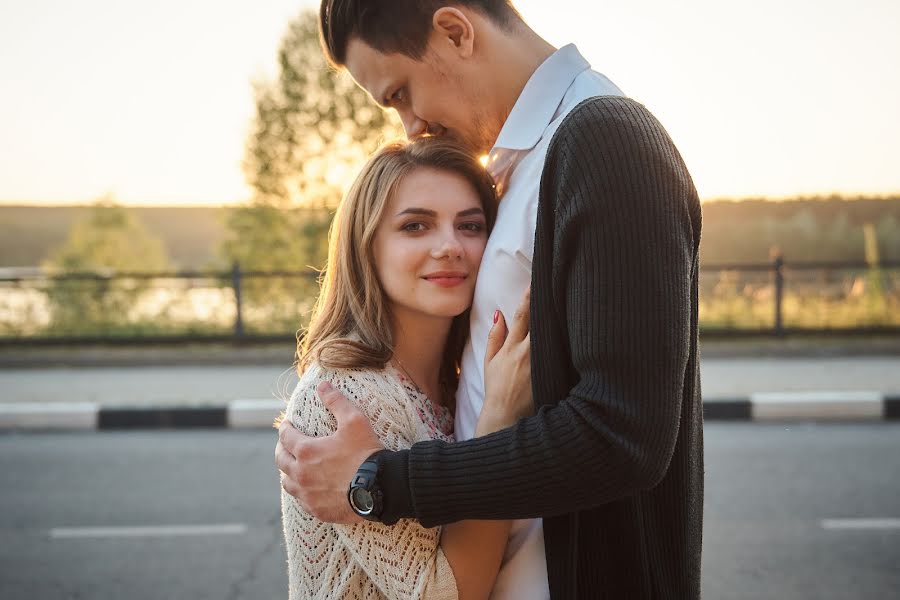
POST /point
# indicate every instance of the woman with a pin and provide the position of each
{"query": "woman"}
(388, 330)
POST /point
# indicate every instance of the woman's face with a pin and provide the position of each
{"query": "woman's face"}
(429, 243)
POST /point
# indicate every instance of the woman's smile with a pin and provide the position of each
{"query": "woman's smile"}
(446, 278)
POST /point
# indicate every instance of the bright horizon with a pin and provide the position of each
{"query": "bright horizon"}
(151, 103)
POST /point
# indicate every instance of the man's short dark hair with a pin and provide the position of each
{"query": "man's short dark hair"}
(393, 25)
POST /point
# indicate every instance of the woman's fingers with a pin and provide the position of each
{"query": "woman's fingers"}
(520, 325)
(517, 333)
(496, 337)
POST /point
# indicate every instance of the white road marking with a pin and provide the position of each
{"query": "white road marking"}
(153, 531)
(817, 406)
(254, 413)
(49, 415)
(861, 523)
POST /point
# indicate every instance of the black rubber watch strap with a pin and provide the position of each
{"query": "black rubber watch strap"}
(393, 478)
(366, 480)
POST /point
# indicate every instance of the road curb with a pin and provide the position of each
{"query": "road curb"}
(260, 414)
(238, 414)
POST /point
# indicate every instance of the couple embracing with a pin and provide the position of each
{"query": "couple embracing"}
(499, 391)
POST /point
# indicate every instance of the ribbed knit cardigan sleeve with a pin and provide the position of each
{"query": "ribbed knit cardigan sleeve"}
(614, 253)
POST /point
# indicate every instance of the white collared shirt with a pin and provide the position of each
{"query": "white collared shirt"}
(516, 162)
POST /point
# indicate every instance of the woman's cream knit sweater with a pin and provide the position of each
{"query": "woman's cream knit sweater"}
(366, 561)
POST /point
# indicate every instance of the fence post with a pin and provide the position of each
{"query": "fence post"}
(236, 285)
(778, 267)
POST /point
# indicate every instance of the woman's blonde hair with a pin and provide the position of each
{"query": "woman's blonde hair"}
(351, 321)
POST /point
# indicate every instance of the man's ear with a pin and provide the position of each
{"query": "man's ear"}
(452, 25)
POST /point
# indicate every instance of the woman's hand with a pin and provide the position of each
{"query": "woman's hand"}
(507, 371)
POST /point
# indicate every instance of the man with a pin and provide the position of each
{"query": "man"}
(598, 213)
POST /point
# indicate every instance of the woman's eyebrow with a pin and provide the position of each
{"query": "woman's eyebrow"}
(417, 211)
(430, 213)
(470, 211)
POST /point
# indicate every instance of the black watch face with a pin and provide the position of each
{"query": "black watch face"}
(362, 501)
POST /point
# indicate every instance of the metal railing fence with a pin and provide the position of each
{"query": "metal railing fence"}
(769, 299)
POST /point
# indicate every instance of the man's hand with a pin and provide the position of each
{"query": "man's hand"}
(317, 470)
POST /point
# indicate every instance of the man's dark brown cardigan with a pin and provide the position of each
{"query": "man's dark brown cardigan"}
(613, 459)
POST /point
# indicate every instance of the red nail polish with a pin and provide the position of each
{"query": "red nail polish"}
(496, 316)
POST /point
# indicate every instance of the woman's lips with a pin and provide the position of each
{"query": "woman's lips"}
(446, 279)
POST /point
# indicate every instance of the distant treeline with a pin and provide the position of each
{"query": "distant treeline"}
(191, 235)
(803, 229)
(740, 232)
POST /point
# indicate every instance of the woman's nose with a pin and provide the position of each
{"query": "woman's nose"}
(449, 248)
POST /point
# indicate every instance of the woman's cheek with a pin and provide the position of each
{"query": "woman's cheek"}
(476, 250)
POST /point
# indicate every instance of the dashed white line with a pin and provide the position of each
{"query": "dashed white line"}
(151, 531)
(861, 523)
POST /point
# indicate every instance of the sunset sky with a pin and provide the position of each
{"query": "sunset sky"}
(151, 101)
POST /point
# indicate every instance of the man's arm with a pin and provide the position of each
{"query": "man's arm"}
(621, 270)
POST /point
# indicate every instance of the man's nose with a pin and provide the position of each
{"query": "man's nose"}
(413, 125)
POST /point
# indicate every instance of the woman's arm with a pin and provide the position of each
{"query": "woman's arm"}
(475, 548)
(404, 561)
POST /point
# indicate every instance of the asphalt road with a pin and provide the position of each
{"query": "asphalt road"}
(205, 385)
(772, 495)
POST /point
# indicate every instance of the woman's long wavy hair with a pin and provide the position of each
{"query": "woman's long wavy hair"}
(350, 325)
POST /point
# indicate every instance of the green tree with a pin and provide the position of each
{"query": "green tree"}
(313, 126)
(312, 130)
(108, 240)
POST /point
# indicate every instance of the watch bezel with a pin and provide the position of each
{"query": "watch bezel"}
(366, 479)
(358, 510)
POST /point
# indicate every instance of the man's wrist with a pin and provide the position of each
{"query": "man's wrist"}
(393, 479)
(364, 493)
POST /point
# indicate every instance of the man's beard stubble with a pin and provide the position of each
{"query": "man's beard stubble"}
(483, 133)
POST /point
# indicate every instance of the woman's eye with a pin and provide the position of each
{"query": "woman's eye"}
(413, 227)
(397, 96)
(472, 226)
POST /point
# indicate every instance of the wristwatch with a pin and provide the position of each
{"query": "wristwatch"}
(365, 494)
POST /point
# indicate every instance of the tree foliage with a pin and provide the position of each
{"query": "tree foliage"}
(312, 130)
(313, 126)
(804, 229)
(108, 240)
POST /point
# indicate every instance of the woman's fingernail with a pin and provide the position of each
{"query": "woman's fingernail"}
(496, 316)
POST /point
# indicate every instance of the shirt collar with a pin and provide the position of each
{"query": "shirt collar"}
(539, 99)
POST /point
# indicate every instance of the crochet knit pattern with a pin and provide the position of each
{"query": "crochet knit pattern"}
(369, 560)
